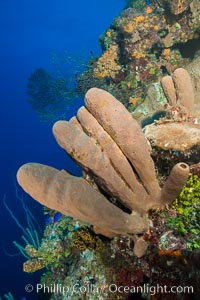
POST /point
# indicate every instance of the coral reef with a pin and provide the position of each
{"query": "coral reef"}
(142, 212)
(187, 208)
(141, 45)
(194, 70)
(110, 154)
(180, 95)
(172, 142)
(167, 262)
(177, 135)
(57, 244)
(107, 63)
(177, 102)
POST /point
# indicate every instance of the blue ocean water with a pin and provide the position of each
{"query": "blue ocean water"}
(30, 32)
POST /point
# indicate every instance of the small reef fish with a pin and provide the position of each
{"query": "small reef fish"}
(57, 217)
(54, 219)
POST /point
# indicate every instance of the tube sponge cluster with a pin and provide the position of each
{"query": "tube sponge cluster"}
(111, 148)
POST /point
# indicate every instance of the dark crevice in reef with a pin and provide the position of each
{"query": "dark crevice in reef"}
(156, 49)
(166, 159)
(189, 49)
(172, 18)
(156, 116)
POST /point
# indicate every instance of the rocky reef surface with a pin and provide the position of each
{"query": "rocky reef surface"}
(141, 45)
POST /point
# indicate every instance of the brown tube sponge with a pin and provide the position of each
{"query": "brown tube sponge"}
(82, 148)
(73, 196)
(184, 89)
(125, 131)
(110, 146)
(114, 153)
(174, 184)
(169, 89)
(179, 90)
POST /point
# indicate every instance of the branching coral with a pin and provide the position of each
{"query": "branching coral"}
(110, 146)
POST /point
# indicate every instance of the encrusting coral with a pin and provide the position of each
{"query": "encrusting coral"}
(107, 64)
(110, 146)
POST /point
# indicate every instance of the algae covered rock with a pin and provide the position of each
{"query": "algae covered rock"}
(172, 142)
(175, 136)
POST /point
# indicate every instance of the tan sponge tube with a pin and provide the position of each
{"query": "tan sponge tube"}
(111, 148)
